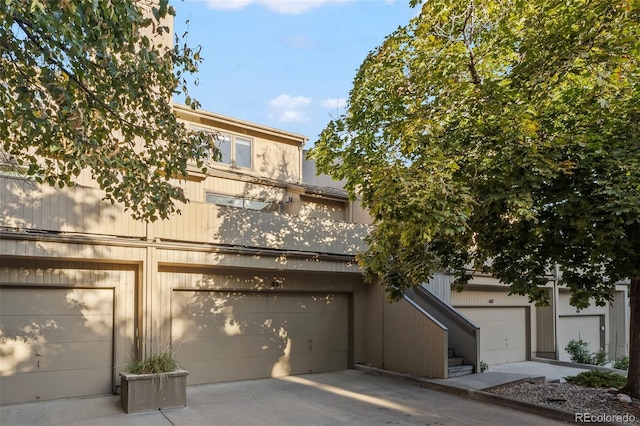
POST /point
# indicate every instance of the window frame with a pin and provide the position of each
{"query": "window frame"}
(246, 142)
(233, 150)
(240, 202)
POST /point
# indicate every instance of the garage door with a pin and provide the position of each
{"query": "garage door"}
(586, 327)
(55, 343)
(220, 336)
(503, 333)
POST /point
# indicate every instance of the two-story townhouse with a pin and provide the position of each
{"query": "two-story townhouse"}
(256, 277)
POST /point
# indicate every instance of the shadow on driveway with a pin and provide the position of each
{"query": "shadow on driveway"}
(347, 397)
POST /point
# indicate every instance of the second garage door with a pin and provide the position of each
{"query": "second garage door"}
(584, 327)
(503, 333)
(223, 336)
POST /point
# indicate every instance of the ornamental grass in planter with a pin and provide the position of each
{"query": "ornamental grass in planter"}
(154, 383)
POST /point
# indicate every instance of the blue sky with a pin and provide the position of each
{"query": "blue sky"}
(287, 64)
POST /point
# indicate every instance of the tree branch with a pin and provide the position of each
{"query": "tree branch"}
(468, 41)
(26, 27)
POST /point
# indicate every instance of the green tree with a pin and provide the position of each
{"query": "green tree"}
(88, 85)
(501, 136)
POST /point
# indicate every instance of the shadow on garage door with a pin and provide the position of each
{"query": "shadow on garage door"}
(55, 343)
(223, 336)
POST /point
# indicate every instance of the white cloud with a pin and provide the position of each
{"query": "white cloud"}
(288, 101)
(292, 116)
(289, 109)
(334, 103)
(290, 7)
(228, 4)
(298, 41)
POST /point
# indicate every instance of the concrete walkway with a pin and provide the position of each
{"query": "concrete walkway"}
(476, 386)
(551, 372)
(348, 397)
(499, 375)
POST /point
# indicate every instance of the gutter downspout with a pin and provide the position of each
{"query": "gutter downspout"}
(300, 162)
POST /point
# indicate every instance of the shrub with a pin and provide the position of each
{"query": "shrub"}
(597, 379)
(484, 366)
(622, 363)
(581, 355)
(599, 358)
(578, 351)
(161, 362)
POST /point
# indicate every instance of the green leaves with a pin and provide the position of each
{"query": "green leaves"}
(501, 136)
(85, 85)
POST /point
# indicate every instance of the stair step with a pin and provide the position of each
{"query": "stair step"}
(460, 370)
(452, 353)
(454, 361)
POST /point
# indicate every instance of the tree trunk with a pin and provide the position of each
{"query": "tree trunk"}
(632, 388)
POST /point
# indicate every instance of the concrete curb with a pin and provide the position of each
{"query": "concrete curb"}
(542, 410)
(483, 396)
(581, 366)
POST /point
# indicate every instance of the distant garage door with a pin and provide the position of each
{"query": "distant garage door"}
(503, 333)
(222, 336)
(55, 343)
(585, 327)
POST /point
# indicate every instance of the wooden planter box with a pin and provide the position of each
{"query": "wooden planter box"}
(150, 392)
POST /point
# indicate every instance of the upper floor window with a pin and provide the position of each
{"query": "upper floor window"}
(241, 202)
(10, 167)
(235, 150)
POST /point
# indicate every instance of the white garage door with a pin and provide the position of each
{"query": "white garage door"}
(503, 333)
(55, 343)
(220, 336)
(586, 327)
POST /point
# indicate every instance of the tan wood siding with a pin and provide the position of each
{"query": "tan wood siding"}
(374, 337)
(618, 335)
(204, 278)
(358, 312)
(237, 188)
(27, 205)
(565, 308)
(413, 343)
(276, 161)
(359, 214)
(476, 297)
(440, 286)
(283, 262)
(401, 338)
(227, 225)
(545, 332)
(321, 208)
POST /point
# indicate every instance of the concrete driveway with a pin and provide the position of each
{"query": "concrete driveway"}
(346, 397)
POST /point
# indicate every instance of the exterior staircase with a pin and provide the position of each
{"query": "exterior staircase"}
(457, 367)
